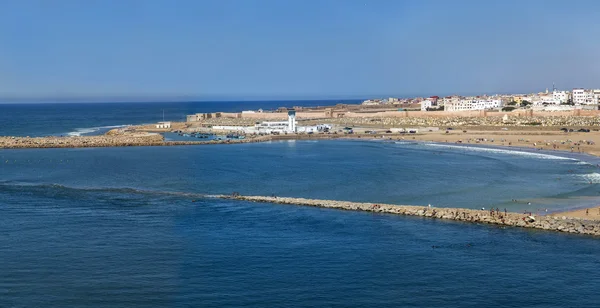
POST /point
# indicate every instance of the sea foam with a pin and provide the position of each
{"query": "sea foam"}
(500, 151)
(88, 130)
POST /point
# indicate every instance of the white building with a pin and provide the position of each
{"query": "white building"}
(560, 96)
(596, 93)
(163, 125)
(473, 104)
(426, 104)
(545, 100)
(291, 121)
(585, 97)
(579, 96)
(267, 127)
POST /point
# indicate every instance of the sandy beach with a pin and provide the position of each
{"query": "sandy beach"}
(592, 213)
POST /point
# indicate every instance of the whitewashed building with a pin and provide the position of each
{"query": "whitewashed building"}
(163, 125)
(585, 97)
(473, 104)
(560, 96)
(426, 104)
(596, 93)
(579, 96)
(545, 100)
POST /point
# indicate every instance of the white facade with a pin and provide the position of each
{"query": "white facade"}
(560, 96)
(163, 125)
(596, 93)
(590, 98)
(585, 97)
(426, 104)
(292, 121)
(474, 104)
(546, 100)
(579, 96)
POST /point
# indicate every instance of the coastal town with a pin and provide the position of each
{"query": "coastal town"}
(557, 119)
(555, 100)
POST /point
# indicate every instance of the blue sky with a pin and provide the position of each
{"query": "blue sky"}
(295, 49)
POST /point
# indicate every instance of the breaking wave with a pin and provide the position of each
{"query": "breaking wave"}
(499, 151)
(592, 178)
(84, 131)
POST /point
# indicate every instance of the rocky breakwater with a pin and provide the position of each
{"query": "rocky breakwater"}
(111, 140)
(561, 224)
(81, 141)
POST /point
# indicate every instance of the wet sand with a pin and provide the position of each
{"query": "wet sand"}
(592, 213)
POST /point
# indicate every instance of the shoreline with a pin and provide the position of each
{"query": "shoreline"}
(146, 139)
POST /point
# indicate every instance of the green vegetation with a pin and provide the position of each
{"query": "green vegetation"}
(441, 108)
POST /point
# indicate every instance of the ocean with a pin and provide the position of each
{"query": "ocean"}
(138, 226)
(81, 119)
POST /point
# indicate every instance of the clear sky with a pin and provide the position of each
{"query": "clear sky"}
(295, 49)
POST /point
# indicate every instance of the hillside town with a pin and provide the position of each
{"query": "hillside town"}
(555, 100)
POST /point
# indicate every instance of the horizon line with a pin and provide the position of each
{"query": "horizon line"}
(8, 99)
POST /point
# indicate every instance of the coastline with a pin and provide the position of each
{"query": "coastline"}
(524, 140)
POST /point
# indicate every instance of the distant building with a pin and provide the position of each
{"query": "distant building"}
(163, 125)
(561, 96)
(579, 96)
(473, 104)
(426, 104)
(596, 93)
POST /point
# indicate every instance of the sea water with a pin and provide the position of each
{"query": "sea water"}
(85, 119)
(136, 227)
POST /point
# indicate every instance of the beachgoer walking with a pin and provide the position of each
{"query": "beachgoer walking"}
(587, 211)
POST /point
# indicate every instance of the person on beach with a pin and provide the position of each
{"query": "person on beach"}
(587, 211)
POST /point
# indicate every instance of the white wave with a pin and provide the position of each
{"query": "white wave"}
(405, 142)
(88, 130)
(500, 151)
(593, 178)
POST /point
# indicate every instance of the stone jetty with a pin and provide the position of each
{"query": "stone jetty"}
(109, 141)
(561, 224)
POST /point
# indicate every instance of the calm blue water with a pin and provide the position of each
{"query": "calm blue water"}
(97, 118)
(116, 227)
